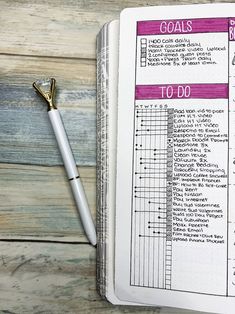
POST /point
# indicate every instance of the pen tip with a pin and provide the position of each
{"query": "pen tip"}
(94, 243)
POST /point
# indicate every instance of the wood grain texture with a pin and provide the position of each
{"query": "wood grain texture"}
(37, 203)
(26, 135)
(38, 39)
(60, 28)
(55, 279)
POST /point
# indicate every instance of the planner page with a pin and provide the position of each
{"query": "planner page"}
(175, 195)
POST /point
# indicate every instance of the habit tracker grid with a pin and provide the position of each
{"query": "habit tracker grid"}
(183, 216)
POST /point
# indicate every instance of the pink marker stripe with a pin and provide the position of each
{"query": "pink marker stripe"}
(162, 27)
(181, 91)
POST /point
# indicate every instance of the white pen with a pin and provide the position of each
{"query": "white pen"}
(46, 89)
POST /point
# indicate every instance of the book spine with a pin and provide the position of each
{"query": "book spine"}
(102, 159)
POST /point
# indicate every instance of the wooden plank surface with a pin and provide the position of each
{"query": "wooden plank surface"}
(26, 135)
(36, 202)
(38, 39)
(55, 278)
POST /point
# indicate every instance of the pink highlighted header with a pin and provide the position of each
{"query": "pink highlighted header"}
(181, 91)
(204, 25)
(232, 29)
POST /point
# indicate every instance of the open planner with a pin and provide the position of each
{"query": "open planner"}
(166, 157)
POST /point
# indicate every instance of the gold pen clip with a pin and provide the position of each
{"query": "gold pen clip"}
(46, 89)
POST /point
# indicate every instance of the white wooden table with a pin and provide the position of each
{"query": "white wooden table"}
(46, 264)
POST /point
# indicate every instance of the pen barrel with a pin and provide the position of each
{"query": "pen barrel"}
(63, 143)
(84, 212)
(73, 175)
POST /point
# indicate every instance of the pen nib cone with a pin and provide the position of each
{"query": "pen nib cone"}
(46, 88)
